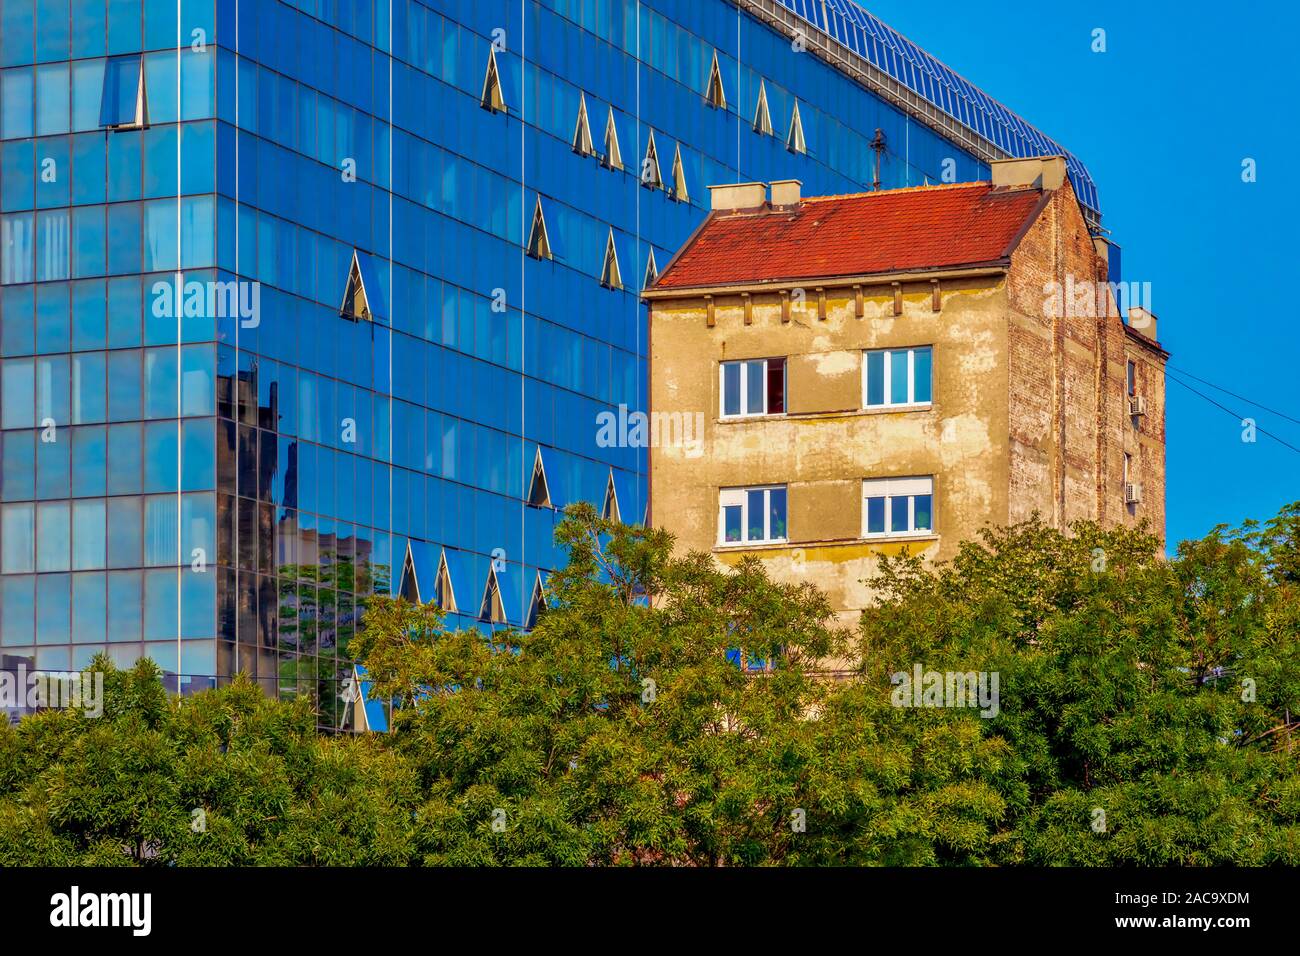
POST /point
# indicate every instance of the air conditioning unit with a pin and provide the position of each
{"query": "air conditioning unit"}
(1132, 492)
(1137, 405)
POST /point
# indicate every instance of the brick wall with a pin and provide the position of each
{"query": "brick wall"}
(1068, 404)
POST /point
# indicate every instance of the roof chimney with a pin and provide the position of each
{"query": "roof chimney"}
(1040, 172)
(786, 192)
(738, 196)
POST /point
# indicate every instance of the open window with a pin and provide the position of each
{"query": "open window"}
(651, 175)
(582, 144)
(123, 103)
(539, 488)
(651, 271)
(795, 141)
(539, 239)
(752, 387)
(409, 586)
(715, 94)
(613, 158)
(419, 573)
(493, 98)
(762, 115)
(537, 605)
(444, 590)
(361, 295)
(609, 509)
(610, 275)
(679, 191)
(491, 608)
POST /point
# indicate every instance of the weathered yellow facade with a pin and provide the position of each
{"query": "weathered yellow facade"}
(1028, 409)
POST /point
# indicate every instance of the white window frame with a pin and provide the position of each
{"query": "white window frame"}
(744, 388)
(732, 497)
(911, 351)
(891, 488)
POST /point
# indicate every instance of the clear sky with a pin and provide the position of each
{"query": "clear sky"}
(1163, 120)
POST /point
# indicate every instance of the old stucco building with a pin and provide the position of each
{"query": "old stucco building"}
(895, 370)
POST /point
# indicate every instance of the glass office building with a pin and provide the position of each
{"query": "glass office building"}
(306, 300)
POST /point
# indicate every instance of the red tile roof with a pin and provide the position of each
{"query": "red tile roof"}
(925, 227)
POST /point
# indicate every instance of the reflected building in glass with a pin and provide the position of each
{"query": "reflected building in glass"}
(307, 300)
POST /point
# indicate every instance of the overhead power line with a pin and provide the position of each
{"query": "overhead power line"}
(1195, 391)
(1225, 391)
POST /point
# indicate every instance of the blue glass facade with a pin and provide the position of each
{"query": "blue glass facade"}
(219, 488)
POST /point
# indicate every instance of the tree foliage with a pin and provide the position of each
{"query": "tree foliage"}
(668, 711)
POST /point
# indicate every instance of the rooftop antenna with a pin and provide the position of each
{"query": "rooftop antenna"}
(878, 145)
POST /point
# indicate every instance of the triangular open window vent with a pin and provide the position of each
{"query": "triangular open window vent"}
(651, 271)
(679, 192)
(492, 609)
(539, 240)
(715, 94)
(613, 157)
(651, 176)
(356, 304)
(582, 144)
(609, 510)
(409, 588)
(539, 492)
(493, 97)
(446, 597)
(795, 141)
(762, 115)
(611, 277)
(538, 603)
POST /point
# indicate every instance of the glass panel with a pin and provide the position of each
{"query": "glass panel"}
(18, 466)
(898, 378)
(875, 378)
(87, 94)
(89, 461)
(88, 535)
(51, 99)
(16, 242)
(875, 516)
(161, 534)
(88, 388)
(754, 509)
(18, 394)
(731, 522)
(754, 386)
(124, 533)
(922, 509)
(776, 514)
(53, 536)
(53, 608)
(17, 611)
(731, 388)
(921, 375)
(89, 609)
(898, 514)
(124, 606)
(161, 605)
(16, 103)
(18, 533)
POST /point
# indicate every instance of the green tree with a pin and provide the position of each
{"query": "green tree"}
(1150, 702)
(223, 777)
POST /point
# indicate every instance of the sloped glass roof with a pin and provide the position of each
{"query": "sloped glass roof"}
(895, 55)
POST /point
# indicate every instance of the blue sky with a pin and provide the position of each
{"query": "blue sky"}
(1163, 120)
